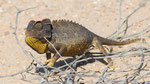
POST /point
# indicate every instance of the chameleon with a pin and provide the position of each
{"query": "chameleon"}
(69, 39)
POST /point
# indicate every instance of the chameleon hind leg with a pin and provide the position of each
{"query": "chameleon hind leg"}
(51, 61)
(98, 44)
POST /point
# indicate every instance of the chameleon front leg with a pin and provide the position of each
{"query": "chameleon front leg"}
(50, 62)
(98, 44)
(48, 55)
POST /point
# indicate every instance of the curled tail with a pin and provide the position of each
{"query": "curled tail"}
(117, 43)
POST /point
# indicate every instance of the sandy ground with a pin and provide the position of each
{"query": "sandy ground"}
(99, 16)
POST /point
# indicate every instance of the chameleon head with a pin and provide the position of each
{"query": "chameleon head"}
(39, 29)
(35, 33)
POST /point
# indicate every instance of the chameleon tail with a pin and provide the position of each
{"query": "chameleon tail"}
(116, 43)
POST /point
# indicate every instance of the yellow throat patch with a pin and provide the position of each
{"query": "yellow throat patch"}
(36, 44)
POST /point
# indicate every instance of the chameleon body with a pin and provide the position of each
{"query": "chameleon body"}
(69, 38)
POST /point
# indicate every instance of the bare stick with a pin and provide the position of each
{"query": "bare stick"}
(18, 42)
(126, 21)
(102, 74)
(20, 72)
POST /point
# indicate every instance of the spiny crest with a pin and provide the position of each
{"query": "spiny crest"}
(67, 21)
(54, 21)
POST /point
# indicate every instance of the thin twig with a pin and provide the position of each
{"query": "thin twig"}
(58, 53)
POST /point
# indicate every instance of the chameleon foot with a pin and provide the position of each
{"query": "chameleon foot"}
(112, 67)
(50, 62)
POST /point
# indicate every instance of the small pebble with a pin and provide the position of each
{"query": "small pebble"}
(6, 33)
(32, 15)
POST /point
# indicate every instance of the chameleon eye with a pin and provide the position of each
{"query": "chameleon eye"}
(38, 26)
(47, 28)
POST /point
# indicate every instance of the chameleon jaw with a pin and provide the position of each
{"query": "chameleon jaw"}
(36, 44)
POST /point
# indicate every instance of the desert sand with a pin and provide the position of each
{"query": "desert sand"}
(102, 17)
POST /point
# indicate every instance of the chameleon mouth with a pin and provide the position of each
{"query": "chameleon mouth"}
(36, 44)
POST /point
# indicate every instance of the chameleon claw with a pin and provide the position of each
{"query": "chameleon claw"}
(112, 68)
(50, 62)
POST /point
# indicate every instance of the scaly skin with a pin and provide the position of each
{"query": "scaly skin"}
(68, 37)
